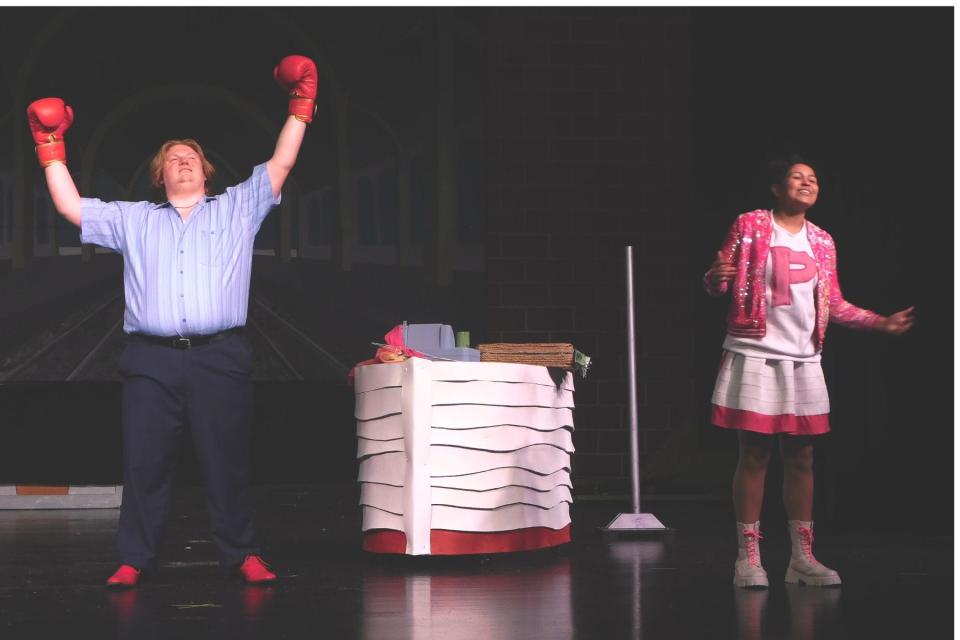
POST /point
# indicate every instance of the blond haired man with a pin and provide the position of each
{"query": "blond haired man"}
(188, 362)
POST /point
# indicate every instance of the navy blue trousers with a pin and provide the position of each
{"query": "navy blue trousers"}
(209, 390)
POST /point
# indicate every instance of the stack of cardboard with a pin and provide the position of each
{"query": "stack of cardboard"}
(547, 354)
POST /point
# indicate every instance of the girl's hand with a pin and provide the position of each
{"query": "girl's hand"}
(720, 271)
(898, 323)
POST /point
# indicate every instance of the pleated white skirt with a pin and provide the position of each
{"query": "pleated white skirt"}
(770, 396)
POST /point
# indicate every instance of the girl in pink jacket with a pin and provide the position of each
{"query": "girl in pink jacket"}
(781, 272)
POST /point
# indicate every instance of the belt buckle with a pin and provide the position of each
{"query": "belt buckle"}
(182, 343)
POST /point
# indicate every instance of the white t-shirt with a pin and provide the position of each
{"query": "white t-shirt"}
(791, 282)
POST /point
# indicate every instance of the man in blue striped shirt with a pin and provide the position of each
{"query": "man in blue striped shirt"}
(186, 278)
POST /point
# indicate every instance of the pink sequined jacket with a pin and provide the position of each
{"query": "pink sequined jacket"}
(746, 246)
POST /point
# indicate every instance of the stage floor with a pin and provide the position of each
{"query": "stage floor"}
(677, 586)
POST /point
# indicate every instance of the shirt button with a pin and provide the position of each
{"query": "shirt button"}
(184, 320)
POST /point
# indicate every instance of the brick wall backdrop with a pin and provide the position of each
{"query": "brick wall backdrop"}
(588, 150)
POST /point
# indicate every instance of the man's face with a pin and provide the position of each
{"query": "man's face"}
(182, 170)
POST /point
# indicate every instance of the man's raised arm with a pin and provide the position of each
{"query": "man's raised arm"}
(298, 76)
(49, 118)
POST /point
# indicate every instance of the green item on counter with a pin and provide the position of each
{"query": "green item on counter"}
(581, 363)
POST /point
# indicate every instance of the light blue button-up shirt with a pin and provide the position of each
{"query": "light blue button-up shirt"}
(184, 278)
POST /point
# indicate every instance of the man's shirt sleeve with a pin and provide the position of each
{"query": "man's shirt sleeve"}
(101, 223)
(253, 198)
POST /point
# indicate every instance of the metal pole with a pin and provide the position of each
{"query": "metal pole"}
(632, 376)
(635, 520)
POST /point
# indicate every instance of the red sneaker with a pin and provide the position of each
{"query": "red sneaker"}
(124, 577)
(255, 571)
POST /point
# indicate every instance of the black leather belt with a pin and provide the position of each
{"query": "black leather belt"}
(187, 342)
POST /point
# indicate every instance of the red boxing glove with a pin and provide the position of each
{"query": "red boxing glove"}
(49, 118)
(298, 75)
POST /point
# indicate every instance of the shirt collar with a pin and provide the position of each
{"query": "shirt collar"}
(161, 205)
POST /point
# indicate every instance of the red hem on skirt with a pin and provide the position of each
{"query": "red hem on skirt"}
(445, 542)
(785, 423)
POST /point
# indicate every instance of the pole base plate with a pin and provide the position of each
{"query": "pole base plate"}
(635, 522)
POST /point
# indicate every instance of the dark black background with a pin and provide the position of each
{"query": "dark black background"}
(866, 94)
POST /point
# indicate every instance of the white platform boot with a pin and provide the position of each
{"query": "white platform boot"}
(804, 568)
(748, 572)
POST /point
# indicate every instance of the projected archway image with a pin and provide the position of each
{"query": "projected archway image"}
(381, 222)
